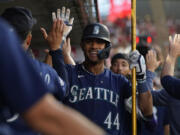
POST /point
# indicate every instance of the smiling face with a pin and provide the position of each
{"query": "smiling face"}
(120, 66)
(91, 47)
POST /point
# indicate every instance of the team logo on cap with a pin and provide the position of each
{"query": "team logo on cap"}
(96, 30)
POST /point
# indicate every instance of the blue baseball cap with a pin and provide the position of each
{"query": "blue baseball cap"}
(20, 18)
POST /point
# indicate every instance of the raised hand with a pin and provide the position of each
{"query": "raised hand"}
(55, 36)
(174, 47)
(64, 15)
(151, 61)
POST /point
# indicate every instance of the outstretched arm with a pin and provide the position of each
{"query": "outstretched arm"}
(145, 97)
(152, 64)
(169, 82)
(54, 39)
(173, 53)
(67, 53)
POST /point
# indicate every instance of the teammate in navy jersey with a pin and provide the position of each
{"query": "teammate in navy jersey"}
(94, 90)
(169, 82)
(22, 21)
(167, 97)
(23, 91)
(120, 65)
(160, 112)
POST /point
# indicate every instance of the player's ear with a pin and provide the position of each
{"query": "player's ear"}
(28, 39)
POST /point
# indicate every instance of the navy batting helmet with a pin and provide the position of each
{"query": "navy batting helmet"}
(98, 31)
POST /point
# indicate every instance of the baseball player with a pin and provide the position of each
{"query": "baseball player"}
(168, 69)
(22, 21)
(165, 97)
(120, 65)
(23, 91)
(160, 112)
(162, 99)
(94, 90)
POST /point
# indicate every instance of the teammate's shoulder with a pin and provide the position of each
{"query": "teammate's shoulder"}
(44, 68)
(40, 64)
(4, 25)
(10, 33)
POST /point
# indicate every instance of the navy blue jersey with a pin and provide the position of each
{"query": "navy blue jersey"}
(21, 87)
(18, 82)
(171, 85)
(163, 98)
(160, 112)
(163, 119)
(55, 84)
(99, 97)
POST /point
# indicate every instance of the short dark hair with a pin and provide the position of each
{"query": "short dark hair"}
(21, 19)
(119, 56)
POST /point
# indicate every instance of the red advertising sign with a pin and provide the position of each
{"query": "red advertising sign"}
(119, 9)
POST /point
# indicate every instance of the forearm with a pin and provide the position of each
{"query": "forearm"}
(145, 103)
(59, 65)
(166, 130)
(168, 68)
(50, 117)
(145, 98)
(68, 59)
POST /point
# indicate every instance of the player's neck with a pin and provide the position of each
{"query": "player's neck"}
(96, 69)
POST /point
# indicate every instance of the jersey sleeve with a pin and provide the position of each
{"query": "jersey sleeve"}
(160, 97)
(60, 85)
(20, 85)
(149, 79)
(59, 65)
(171, 85)
(166, 117)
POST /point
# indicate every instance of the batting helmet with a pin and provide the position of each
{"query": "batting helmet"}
(98, 31)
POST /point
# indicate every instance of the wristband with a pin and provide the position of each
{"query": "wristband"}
(54, 52)
(142, 86)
